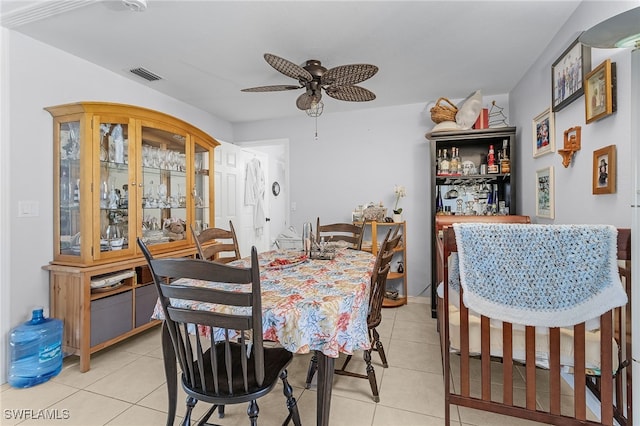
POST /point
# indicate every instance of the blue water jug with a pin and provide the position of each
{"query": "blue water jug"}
(36, 351)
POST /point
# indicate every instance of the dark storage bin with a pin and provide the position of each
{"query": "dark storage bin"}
(144, 275)
(146, 298)
(111, 317)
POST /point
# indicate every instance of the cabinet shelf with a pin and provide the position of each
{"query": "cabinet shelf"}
(395, 275)
(95, 295)
(393, 303)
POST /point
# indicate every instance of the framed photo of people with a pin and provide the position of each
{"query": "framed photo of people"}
(600, 91)
(543, 133)
(567, 73)
(604, 170)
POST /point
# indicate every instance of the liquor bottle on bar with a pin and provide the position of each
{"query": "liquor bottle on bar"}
(453, 164)
(492, 167)
(438, 161)
(444, 164)
(439, 204)
(459, 161)
(505, 164)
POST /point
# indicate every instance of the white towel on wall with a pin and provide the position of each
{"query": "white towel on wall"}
(254, 189)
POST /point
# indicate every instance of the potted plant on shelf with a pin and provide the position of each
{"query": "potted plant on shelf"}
(400, 192)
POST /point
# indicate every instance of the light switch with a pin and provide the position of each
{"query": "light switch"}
(28, 208)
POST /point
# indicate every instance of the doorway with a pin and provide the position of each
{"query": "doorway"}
(277, 193)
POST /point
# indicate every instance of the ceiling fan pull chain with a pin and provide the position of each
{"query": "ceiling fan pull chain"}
(316, 137)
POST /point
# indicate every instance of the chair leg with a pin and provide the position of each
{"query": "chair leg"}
(191, 402)
(205, 418)
(292, 404)
(221, 411)
(346, 362)
(371, 374)
(313, 367)
(379, 348)
(252, 411)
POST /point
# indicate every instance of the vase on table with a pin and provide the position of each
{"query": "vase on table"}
(397, 217)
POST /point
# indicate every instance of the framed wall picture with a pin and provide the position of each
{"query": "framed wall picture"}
(567, 73)
(543, 133)
(600, 91)
(544, 192)
(604, 170)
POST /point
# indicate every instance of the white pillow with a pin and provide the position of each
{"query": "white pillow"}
(469, 110)
(445, 125)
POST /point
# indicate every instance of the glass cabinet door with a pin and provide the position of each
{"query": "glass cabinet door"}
(113, 186)
(164, 186)
(201, 189)
(69, 189)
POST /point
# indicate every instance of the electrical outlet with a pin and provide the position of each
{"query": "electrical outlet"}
(28, 209)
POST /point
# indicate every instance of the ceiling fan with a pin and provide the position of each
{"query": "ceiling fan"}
(339, 82)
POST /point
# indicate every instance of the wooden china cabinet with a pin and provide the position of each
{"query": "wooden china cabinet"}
(121, 172)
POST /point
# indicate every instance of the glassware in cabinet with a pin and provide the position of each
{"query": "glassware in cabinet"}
(67, 191)
(201, 190)
(164, 183)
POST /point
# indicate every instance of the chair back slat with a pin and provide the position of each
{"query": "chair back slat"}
(210, 319)
(207, 295)
(225, 248)
(348, 232)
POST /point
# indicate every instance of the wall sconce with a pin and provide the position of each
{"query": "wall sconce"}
(571, 145)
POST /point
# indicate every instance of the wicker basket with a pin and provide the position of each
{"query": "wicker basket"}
(440, 113)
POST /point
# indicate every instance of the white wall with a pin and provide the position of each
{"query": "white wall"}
(40, 76)
(574, 202)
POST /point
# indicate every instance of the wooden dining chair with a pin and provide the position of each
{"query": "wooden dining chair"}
(225, 362)
(348, 232)
(374, 317)
(224, 250)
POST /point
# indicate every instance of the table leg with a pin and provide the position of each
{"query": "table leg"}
(326, 365)
(171, 373)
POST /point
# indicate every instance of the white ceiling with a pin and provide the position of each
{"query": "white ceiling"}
(206, 51)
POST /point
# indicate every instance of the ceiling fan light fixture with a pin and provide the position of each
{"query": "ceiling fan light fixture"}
(315, 109)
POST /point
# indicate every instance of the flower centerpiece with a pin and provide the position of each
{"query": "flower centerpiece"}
(400, 192)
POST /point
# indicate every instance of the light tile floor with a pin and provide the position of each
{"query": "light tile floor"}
(126, 386)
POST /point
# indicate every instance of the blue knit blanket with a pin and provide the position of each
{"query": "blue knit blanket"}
(539, 275)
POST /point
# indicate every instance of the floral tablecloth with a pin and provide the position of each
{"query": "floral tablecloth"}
(315, 305)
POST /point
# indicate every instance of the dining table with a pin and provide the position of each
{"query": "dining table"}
(308, 305)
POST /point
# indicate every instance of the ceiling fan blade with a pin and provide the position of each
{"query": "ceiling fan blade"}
(350, 93)
(288, 68)
(275, 88)
(348, 75)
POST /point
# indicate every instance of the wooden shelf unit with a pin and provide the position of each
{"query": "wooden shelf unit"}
(372, 245)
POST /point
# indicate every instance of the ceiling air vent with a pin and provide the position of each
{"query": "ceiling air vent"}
(146, 74)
